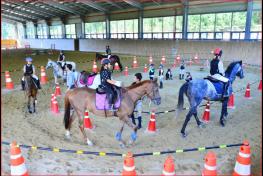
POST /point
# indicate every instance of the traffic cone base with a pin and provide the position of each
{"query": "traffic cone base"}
(57, 91)
(152, 126)
(43, 76)
(128, 165)
(55, 107)
(210, 165)
(8, 81)
(87, 122)
(230, 104)
(169, 168)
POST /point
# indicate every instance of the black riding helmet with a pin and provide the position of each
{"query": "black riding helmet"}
(138, 76)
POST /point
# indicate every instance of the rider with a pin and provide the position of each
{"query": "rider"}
(151, 71)
(70, 77)
(108, 51)
(138, 106)
(107, 83)
(161, 72)
(29, 69)
(217, 70)
(61, 60)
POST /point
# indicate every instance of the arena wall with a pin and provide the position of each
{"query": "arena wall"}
(248, 51)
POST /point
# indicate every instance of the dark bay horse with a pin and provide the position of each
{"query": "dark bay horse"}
(81, 99)
(113, 59)
(199, 89)
(31, 92)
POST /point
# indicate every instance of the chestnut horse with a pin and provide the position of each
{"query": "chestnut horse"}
(30, 91)
(81, 99)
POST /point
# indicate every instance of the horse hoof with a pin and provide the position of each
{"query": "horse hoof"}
(183, 135)
(122, 145)
(201, 125)
(67, 137)
(30, 112)
(89, 143)
(222, 123)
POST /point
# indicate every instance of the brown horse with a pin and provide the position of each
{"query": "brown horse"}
(81, 99)
(31, 92)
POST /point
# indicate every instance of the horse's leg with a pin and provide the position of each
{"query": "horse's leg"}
(28, 104)
(187, 119)
(118, 136)
(226, 113)
(223, 111)
(81, 127)
(34, 104)
(128, 121)
(72, 118)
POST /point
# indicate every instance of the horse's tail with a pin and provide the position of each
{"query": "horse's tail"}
(180, 104)
(67, 111)
(119, 62)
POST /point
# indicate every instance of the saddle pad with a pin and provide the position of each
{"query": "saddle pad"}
(90, 80)
(102, 102)
(218, 86)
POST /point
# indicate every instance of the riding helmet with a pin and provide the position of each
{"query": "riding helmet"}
(218, 52)
(29, 59)
(105, 61)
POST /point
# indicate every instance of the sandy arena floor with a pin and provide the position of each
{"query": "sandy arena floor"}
(47, 130)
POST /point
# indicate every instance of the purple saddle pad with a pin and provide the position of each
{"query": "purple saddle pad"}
(102, 102)
(90, 80)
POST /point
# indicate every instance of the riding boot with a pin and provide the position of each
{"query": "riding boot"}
(139, 122)
(133, 119)
(180, 77)
(161, 84)
(23, 85)
(38, 84)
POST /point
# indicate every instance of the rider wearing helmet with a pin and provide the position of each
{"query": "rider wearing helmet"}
(108, 51)
(217, 70)
(29, 69)
(161, 72)
(61, 60)
(107, 83)
(151, 71)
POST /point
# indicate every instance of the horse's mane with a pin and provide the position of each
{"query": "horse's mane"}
(138, 84)
(230, 67)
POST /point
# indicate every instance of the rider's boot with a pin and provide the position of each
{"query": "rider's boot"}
(133, 119)
(38, 84)
(139, 122)
(161, 84)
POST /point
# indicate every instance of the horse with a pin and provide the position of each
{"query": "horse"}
(81, 99)
(113, 59)
(86, 79)
(57, 70)
(30, 91)
(198, 89)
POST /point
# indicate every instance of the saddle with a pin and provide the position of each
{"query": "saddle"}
(101, 99)
(219, 85)
(86, 78)
(211, 79)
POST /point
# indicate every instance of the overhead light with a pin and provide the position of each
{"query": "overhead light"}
(42, 6)
(26, 1)
(2, 2)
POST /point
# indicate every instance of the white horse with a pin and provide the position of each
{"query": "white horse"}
(57, 70)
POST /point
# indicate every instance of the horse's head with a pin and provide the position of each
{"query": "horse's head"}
(235, 69)
(49, 64)
(153, 92)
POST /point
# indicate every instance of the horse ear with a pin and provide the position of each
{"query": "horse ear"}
(240, 62)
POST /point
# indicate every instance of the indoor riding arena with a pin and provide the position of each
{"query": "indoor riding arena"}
(131, 87)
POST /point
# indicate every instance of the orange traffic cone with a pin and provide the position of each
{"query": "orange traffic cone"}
(243, 163)
(178, 59)
(150, 60)
(94, 67)
(58, 91)
(210, 165)
(145, 70)
(196, 59)
(190, 62)
(126, 71)
(55, 106)
(151, 125)
(128, 165)
(247, 93)
(163, 60)
(18, 166)
(8, 81)
(43, 76)
(135, 63)
(206, 115)
(51, 101)
(260, 85)
(175, 63)
(87, 123)
(231, 102)
(116, 66)
(169, 168)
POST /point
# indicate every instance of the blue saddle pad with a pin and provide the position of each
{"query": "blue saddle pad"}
(218, 86)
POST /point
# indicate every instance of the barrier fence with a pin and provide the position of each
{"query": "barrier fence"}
(157, 153)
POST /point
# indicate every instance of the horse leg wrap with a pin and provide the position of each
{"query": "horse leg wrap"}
(118, 136)
(133, 136)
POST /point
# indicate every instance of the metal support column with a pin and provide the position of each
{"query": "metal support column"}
(140, 25)
(35, 30)
(248, 19)
(185, 19)
(63, 27)
(108, 26)
(25, 33)
(48, 29)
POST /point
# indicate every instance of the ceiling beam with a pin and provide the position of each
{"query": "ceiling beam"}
(35, 8)
(19, 16)
(6, 19)
(93, 5)
(62, 7)
(114, 4)
(14, 9)
(13, 18)
(134, 3)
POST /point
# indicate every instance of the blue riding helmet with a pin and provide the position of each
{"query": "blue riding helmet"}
(105, 61)
(152, 65)
(161, 66)
(29, 59)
